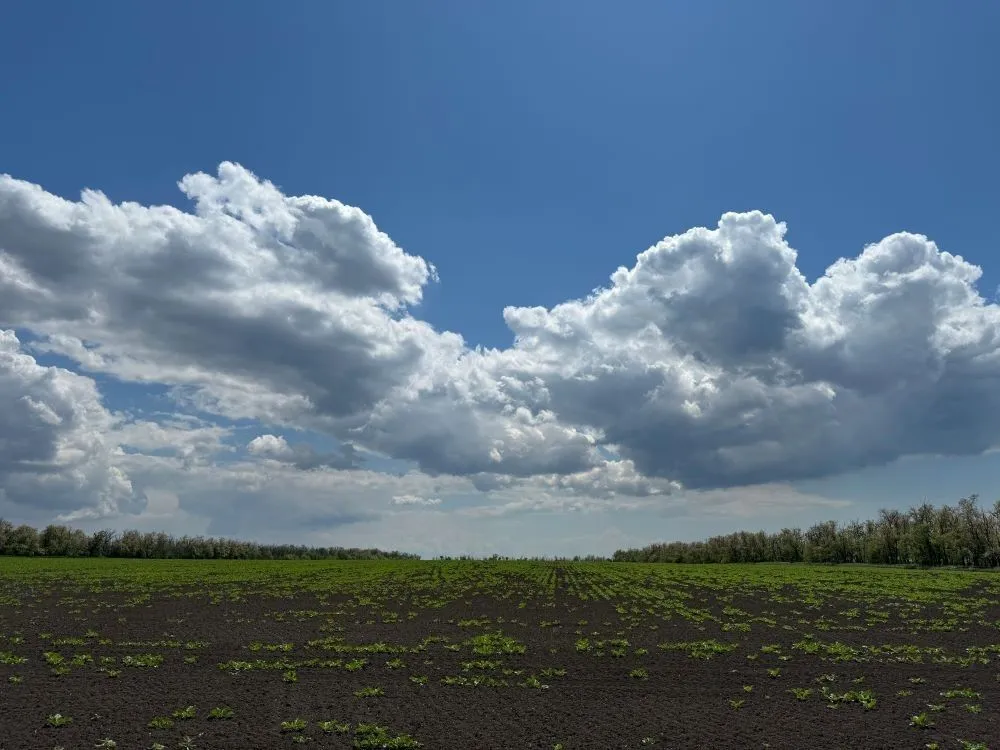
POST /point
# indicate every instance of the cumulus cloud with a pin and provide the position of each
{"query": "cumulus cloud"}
(190, 439)
(258, 304)
(714, 363)
(302, 455)
(415, 500)
(447, 431)
(610, 479)
(711, 362)
(54, 458)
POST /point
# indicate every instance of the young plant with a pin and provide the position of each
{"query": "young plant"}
(334, 727)
(922, 720)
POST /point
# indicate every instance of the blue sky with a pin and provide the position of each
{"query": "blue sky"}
(526, 150)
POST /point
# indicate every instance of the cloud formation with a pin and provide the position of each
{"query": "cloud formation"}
(736, 371)
(53, 452)
(302, 456)
(711, 362)
(415, 500)
(714, 363)
(257, 304)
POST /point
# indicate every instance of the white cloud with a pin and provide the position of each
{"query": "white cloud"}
(257, 304)
(608, 480)
(302, 455)
(192, 440)
(710, 363)
(269, 446)
(415, 500)
(714, 363)
(54, 459)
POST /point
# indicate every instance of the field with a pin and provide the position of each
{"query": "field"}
(494, 655)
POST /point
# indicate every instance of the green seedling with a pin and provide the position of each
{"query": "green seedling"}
(922, 720)
(334, 727)
(188, 712)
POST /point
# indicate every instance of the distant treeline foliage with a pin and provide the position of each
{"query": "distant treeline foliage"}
(962, 535)
(61, 541)
(523, 558)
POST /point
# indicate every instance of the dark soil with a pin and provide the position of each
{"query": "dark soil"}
(684, 703)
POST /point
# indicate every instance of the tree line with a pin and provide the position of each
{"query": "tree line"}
(965, 534)
(62, 541)
(961, 535)
(523, 558)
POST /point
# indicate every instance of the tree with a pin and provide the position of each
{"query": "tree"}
(23, 541)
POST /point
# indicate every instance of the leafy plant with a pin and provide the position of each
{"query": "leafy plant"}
(188, 712)
(334, 727)
(922, 720)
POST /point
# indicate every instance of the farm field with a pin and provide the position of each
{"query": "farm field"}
(494, 655)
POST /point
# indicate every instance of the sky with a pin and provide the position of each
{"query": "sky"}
(518, 278)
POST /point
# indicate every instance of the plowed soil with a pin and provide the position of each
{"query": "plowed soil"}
(683, 703)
